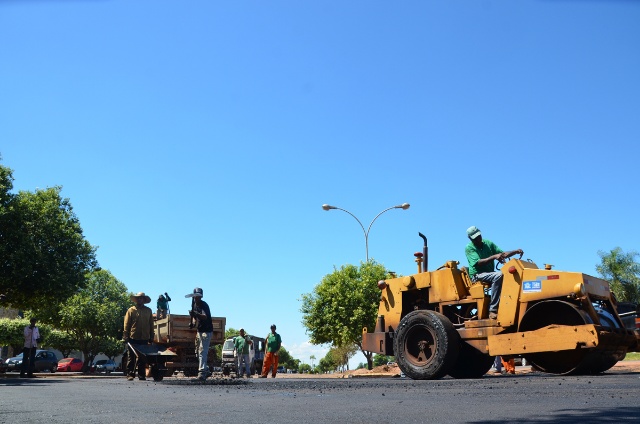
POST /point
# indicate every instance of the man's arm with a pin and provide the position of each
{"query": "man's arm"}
(279, 339)
(507, 255)
(151, 329)
(474, 259)
(491, 258)
(127, 327)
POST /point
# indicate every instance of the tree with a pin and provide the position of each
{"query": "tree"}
(63, 341)
(342, 304)
(328, 363)
(286, 360)
(112, 347)
(44, 253)
(342, 354)
(12, 333)
(382, 360)
(96, 313)
(304, 368)
(622, 272)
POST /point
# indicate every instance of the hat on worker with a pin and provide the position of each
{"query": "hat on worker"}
(473, 232)
(197, 292)
(135, 297)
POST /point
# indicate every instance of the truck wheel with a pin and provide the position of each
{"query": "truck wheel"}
(426, 345)
(157, 374)
(471, 362)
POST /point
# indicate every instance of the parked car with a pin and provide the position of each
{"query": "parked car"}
(282, 370)
(104, 365)
(70, 364)
(46, 361)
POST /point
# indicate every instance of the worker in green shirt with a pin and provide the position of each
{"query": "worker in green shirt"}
(242, 344)
(273, 343)
(481, 254)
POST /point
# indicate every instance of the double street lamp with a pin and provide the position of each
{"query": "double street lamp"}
(403, 206)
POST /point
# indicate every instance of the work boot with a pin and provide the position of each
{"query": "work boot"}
(130, 378)
(262, 376)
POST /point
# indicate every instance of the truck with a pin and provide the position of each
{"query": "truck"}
(436, 323)
(175, 338)
(230, 356)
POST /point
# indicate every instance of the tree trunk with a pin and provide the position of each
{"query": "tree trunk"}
(369, 356)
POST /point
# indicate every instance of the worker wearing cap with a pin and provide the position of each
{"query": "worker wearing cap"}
(481, 255)
(201, 313)
(273, 343)
(242, 344)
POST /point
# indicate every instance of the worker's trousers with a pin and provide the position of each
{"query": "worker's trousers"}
(270, 359)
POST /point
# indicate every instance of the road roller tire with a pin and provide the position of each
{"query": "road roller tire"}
(426, 345)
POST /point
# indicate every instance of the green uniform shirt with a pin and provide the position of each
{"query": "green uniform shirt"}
(242, 345)
(474, 254)
(273, 342)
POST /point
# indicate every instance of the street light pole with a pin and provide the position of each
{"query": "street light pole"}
(403, 206)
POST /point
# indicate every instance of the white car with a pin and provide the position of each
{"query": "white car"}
(105, 365)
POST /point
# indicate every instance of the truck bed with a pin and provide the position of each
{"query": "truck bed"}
(174, 330)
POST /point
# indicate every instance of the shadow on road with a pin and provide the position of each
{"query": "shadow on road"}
(619, 414)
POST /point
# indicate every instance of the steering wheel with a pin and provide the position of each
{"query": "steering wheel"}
(498, 267)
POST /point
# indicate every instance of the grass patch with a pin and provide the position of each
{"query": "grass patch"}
(632, 356)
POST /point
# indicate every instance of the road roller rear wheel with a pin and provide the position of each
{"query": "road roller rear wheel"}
(576, 361)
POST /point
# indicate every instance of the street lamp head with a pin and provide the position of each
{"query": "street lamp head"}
(403, 206)
(328, 207)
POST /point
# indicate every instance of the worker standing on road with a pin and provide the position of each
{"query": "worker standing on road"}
(138, 330)
(242, 344)
(480, 255)
(273, 343)
(202, 314)
(31, 340)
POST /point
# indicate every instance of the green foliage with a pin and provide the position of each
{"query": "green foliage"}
(632, 356)
(342, 354)
(44, 253)
(112, 347)
(342, 304)
(622, 272)
(382, 360)
(231, 332)
(304, 368)
(63, 341)
(286, 360)
(95, 314)
(12, 332)
(328, 363)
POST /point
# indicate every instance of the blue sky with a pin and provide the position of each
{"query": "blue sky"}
(198, 140)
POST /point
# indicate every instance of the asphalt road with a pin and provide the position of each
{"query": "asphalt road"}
(525, 398)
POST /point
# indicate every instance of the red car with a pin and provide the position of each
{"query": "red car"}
(70, 364)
